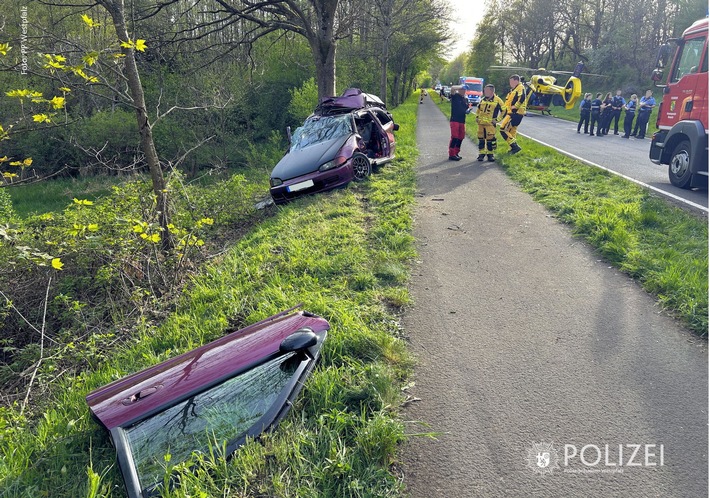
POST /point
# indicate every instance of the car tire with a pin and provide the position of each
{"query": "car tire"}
(680, 172)
(362, 167)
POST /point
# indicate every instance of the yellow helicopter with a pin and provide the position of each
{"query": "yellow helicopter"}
(543, 91)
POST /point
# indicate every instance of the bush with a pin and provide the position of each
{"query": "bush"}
(105, 263)
(303, 101)
(7, 213)
(114, 133)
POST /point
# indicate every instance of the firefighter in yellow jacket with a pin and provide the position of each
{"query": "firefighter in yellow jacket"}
(515, 104)
(490, 110)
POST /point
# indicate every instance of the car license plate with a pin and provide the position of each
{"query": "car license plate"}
(300, 186)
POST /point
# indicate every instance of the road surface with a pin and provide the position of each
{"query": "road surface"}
(626, 156)
(525, 336)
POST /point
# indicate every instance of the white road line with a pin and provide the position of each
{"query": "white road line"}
(638, 182)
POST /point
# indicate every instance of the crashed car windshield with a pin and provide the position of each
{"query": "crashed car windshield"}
(319, 129)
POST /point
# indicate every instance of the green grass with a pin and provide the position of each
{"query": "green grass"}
(54, 195)
(345, 256)
(664, 247)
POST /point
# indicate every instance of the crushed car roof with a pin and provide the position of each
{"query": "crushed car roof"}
(351, 99)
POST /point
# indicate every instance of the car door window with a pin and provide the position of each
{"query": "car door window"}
(383, 117)
(221, 414)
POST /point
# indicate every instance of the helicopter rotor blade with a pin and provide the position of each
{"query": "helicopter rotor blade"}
(513, 68)
(570, 72)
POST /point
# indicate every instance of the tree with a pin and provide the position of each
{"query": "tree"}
(116, 10)
(398, 17)
(321, 22)
(483, 47)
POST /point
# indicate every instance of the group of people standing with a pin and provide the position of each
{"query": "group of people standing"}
(601, 113)
(492, 111)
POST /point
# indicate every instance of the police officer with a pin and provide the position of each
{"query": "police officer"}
(585, 110)
(595, 108)
(515, 104)
(605, 116)
(646, 105)
(630, 109)
(617, 103)
(489, 110)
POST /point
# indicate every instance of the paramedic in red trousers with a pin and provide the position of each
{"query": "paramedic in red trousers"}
(459, 109)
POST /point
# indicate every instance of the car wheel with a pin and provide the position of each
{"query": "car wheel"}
(679, 170)
(361, 167)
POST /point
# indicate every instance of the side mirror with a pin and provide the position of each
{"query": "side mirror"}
(288, 134)
(299, 340)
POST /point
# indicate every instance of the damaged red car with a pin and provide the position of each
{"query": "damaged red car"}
(343, 140)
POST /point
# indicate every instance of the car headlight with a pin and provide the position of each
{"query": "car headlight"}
(335, 163)
(275, 182)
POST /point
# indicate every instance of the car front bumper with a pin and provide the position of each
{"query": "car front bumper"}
(322, 182)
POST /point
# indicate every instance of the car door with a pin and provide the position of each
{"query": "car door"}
(212, 397)
(386, 124)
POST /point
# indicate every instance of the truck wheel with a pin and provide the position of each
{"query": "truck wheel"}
(679, 170)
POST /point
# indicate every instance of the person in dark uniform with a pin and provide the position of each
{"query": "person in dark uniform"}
(646, 105)
(595, 108)
(459, 108)
(617, 103)
(605, 116)
(585, 110)
(630, 108)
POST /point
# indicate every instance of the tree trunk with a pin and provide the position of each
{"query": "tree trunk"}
(383, 69)
(324, 57)
(323, 45)
(116, 10)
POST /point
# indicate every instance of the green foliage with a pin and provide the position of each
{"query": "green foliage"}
(114, 133)
(303, 101)
(103, 260)
(484, 47)
(7, 212)
(340, 436)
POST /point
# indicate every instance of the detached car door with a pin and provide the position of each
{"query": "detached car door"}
(216, 395)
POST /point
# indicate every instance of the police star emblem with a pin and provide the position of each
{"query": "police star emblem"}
(543, 458)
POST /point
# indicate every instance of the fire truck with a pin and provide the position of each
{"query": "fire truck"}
(681, 141)
(473, 87)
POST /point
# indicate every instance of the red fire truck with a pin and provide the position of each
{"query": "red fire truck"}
(682, 139)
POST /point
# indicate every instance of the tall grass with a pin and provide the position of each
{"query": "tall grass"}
(55, 194)
(664, 247)
(344, 255)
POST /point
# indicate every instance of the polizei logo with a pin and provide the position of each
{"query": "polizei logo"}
(543, 458)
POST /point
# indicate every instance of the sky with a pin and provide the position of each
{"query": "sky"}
(466, 13)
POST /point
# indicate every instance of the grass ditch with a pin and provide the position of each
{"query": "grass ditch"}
(662, 246)
(344, 255)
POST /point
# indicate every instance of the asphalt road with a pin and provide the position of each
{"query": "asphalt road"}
(525, 336)
(626, 156)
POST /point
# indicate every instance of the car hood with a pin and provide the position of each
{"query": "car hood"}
(307, 160)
